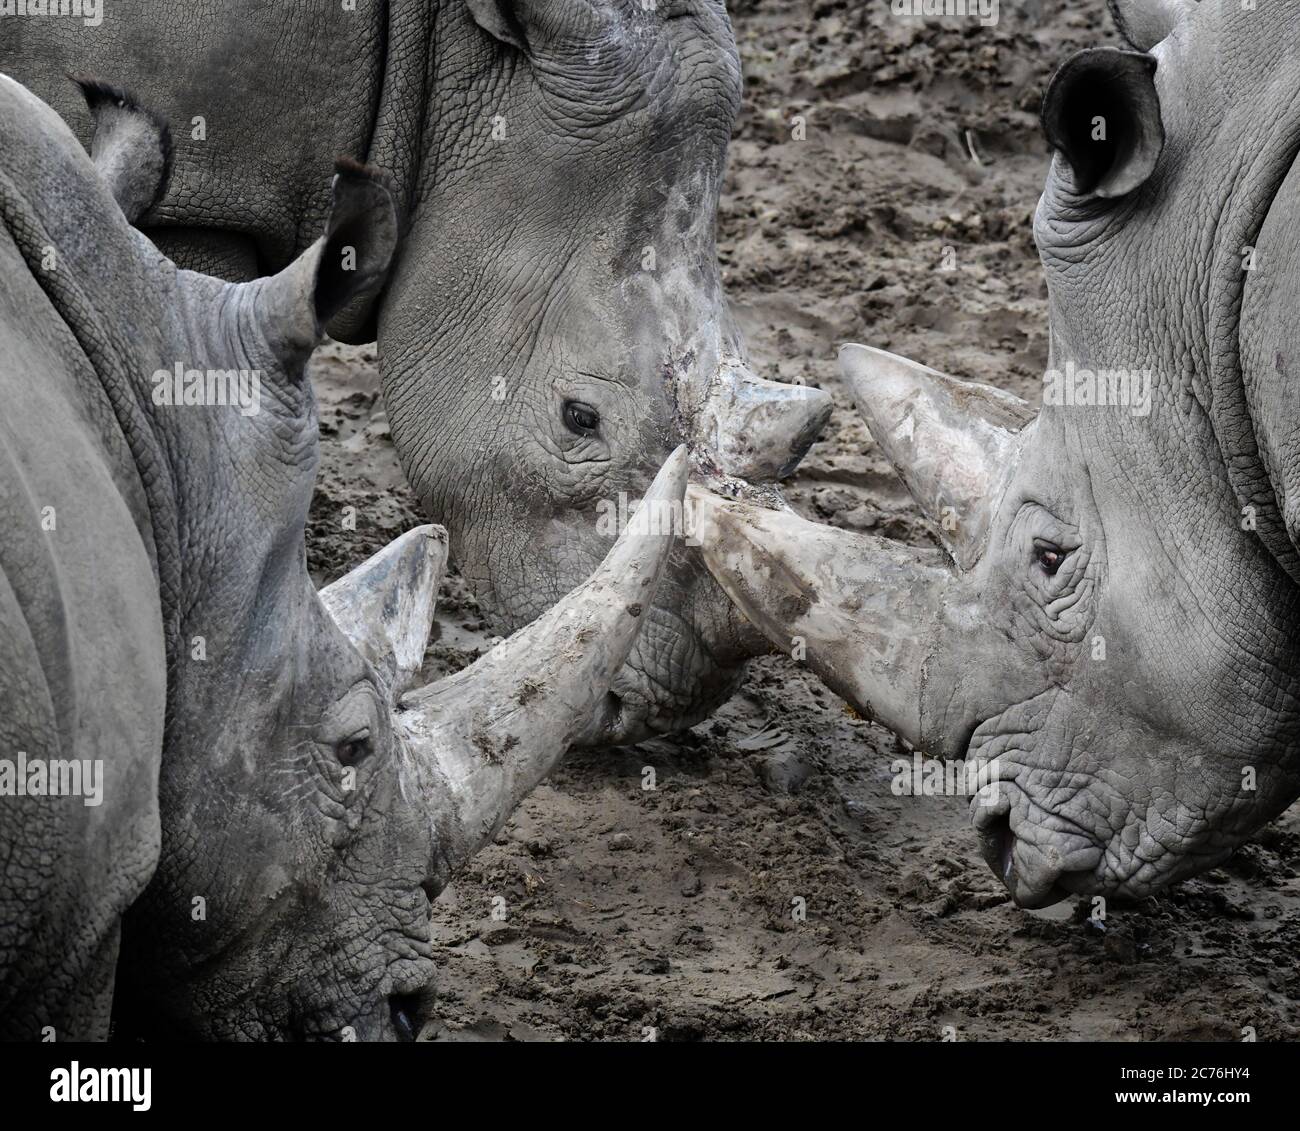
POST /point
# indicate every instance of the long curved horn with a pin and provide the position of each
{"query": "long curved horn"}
(862, 612)
(951, 441)
(483, 738)
(756, 429)
(385, 605)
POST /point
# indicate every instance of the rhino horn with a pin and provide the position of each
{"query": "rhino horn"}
(385, 606)
(951, 441)
(481, 739)
(757, 429)
(130, 146)
(862, 611)
(1144, 23)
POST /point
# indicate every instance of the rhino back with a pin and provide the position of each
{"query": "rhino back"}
(82, 661)
(261, 98)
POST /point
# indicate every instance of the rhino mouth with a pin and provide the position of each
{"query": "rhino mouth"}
(998, 846)
(1031, 886)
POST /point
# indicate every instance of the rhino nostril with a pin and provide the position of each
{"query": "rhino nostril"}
(997, 844)
(404, 1009)
(1006, 849)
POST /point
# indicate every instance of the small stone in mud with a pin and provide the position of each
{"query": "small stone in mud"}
(916, 885)
(621, 842)
(1120, 947)
(784, 772)
(497, 934)
(691, 884)
(657, 964)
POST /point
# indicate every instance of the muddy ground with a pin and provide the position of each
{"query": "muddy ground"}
(669, 913)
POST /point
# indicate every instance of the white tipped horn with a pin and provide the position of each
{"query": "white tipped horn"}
(757, 429)
(951, 441)
(385, 606)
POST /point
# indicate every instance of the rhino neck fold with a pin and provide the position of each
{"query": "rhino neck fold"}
(115, 370)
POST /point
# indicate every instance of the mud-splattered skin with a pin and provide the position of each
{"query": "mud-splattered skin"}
(557, 165)
(1123, 640)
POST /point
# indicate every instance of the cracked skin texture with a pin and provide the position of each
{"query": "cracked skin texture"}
(82, 656)
(522, 262)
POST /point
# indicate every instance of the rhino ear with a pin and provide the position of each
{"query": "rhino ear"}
(1144, 23)
(349, 261)
(131, 146)
(360, 237)
(1101, 113)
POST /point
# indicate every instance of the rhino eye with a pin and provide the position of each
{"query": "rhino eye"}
(353, 750)
(1049, 557)
(580, 418)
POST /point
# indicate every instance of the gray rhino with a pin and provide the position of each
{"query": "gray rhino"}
(1115, 622)
(220, 815)
(554, 325)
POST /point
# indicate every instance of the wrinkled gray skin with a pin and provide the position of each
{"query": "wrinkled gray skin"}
(569, 258)
(274, 820)
(1168, 540)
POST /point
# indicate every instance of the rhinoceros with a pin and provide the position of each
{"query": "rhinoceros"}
(1113, 625)
(224, 807)
(554, 325)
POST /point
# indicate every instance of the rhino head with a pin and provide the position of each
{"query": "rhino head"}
(313, 800)
(1113, 620)
(542, 355)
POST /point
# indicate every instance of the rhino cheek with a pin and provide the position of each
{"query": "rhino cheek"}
(312, 919)
(687, 661)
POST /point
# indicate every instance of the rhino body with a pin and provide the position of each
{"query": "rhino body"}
(276, 806)
(1115, 626)
(82, 659)
(554, 325)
